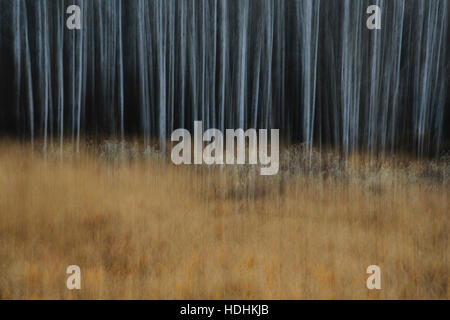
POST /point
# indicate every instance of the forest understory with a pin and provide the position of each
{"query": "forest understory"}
(140, 227)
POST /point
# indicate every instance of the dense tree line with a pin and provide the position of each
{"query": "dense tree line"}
(308, 67)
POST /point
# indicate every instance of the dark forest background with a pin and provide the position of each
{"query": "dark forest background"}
(308, 67)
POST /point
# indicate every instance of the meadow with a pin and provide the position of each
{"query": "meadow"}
(140, 227)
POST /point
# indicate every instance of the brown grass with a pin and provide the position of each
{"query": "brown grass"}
(142, 228)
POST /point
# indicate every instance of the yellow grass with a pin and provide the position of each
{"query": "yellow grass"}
(143, 228)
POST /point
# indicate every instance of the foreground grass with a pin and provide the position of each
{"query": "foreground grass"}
(141, 228)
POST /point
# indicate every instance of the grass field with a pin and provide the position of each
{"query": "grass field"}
(140, 227)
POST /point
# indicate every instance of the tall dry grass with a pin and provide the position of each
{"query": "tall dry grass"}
(140, 227)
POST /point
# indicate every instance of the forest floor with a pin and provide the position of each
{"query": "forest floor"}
(142, 228)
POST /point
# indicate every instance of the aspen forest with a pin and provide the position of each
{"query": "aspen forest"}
(87, 176)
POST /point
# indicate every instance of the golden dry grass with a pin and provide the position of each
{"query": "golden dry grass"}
(142, 228)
